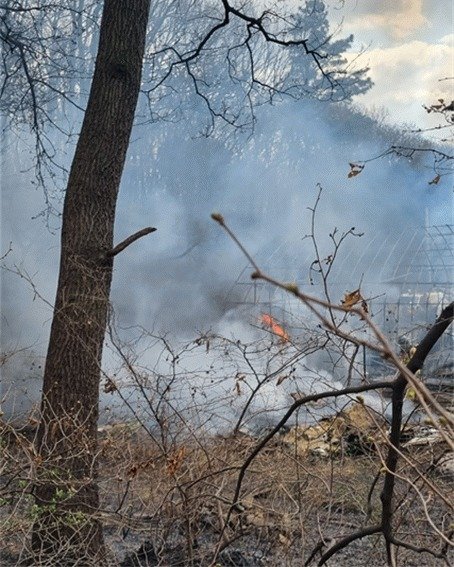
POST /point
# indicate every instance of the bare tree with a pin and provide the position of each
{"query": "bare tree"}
(69, 410)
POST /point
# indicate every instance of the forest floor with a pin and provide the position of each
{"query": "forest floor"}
(290, 502)
(165, 502)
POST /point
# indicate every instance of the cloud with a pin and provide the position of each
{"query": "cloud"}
(399, 18)
(406, 76)
(448, 39)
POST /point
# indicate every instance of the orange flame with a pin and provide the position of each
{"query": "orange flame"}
(267, 320)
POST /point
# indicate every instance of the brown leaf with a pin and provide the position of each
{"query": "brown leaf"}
(352, 298)
(38, 459)
(435, 180)
(135, 468)
(329, 260)
(175, 461)
(355, 169)
(297, 396)
(132, 471)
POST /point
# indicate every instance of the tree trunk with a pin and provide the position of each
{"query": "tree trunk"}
(67, 527)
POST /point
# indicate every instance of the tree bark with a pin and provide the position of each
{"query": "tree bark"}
(67, 527)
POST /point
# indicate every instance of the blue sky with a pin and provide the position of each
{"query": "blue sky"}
(409, 47)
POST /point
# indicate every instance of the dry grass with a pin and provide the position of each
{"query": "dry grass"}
(288, 501)
(177, 497)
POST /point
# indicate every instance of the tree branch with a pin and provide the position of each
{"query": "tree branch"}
(387, 495)
(425, 346)
(416, 362)
(370, 530)
(127, 241)
(263, 442)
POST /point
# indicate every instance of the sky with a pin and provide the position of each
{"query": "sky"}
(408, 47)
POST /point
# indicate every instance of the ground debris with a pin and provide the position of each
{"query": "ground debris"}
(353, 431)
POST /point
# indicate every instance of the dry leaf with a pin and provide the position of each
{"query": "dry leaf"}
(352, 298)
(297, 396)
(239, 378)
(329, 260)
(435, 180)
(135, 468)
(38, 459)
(355, 169)
(175, 461)
(132, 471)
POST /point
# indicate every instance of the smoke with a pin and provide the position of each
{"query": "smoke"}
(180, 275)
(182, 279)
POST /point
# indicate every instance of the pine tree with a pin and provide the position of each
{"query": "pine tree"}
(339, 80)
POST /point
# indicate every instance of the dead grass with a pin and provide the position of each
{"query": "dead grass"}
(177, 497)
(287, 502)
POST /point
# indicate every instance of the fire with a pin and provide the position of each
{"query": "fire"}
(267, 320)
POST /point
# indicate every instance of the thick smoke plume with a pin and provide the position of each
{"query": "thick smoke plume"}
(182, 279)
